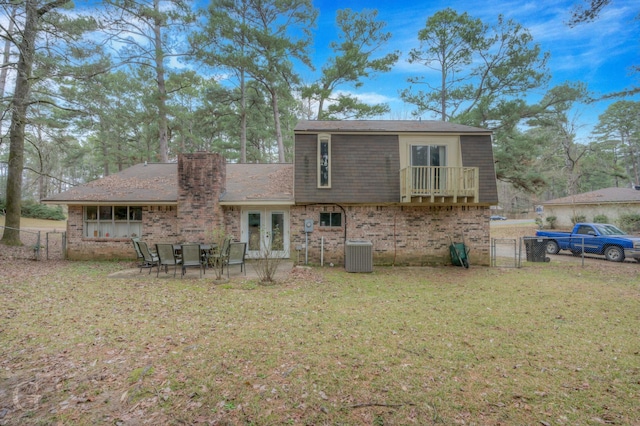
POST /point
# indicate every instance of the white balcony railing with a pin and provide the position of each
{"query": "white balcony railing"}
(439, 184)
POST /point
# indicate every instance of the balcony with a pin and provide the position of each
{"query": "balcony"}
(442, 185)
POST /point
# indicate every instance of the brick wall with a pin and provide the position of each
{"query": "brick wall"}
(201, 181)
(158, 225)
(232, 221)
(400, 235)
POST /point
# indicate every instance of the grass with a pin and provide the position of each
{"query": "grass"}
(30, 223)
(546, 344)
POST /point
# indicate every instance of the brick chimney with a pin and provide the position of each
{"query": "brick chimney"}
(201, 181)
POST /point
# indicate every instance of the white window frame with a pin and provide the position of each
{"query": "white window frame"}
(324, 181)
(111, 227)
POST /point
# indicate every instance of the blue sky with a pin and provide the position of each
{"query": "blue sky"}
(599, 54)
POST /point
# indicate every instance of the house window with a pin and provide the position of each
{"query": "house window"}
(331, 219)
(112, 221)
(324, 161)
(428, 155)
(426, 161)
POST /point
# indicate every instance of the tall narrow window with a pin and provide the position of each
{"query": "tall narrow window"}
(324, 162)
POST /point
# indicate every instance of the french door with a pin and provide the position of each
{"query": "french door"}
(266, 231)
(426, 161)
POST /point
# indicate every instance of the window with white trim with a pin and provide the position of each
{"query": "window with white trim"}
(112, 221)
(324, 161)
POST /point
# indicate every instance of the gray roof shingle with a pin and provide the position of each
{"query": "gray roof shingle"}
(259, 183)
(606, 195)
(157, 183)
(386, 126)
(154, 183)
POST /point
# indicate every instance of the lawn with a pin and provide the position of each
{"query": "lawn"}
(547, 344)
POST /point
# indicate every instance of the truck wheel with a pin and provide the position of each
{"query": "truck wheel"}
(552, 247)
(614, 254)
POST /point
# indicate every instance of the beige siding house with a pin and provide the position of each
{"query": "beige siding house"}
(408, 187)
(610, 202)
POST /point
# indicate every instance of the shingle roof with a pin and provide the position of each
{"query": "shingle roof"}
(606, 195)
(154, 183)
(386, 126)
(157, 183)
(259, 183)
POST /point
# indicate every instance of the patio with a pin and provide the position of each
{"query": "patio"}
(284, 268)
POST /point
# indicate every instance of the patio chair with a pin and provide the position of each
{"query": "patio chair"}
(220, 255)
(237, 253)
(166, 257)
(150, 259)
(191, 257)
(134, 241)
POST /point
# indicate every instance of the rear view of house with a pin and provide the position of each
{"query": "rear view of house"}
(406, 187)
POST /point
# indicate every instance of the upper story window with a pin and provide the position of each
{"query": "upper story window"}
(428, 155)
(324, 161)
(112, 221)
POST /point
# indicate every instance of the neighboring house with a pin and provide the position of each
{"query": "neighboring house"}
(610, 202)
(409, 187)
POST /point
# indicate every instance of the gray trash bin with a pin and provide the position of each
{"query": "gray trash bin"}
(358, 256)
(536, 249)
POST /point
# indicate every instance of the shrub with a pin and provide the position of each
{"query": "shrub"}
(601, 218)
(40, 211)
(37, 211)
(578, 218)
(266, 264)
(630, 223)
(551, 220)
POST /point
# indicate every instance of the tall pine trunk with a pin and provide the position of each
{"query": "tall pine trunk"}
(20, 104)
(11, 234)
(163, 133)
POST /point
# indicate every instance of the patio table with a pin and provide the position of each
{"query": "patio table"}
(206, 250)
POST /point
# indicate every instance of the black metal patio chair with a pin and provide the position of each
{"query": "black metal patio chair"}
(237, 253)
(149, 259)
(191, 257)
(166, 258)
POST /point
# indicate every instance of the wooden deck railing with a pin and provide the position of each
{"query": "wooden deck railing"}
(439, 184)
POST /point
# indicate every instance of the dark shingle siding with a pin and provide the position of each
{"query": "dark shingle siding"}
(478, 152)
(365, 169)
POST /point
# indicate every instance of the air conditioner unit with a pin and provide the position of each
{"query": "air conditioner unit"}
(358, 256)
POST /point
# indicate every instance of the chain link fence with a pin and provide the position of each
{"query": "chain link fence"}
(36, 245)
(512, 252)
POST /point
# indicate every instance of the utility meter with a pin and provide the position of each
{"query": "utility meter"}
(308, 225)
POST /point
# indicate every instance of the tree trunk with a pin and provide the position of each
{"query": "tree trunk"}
(162, 90)
(276, 121)
(6, 54)
(11, 234)
(243, 119)
(21, 95)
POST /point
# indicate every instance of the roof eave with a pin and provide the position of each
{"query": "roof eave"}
(112, 202)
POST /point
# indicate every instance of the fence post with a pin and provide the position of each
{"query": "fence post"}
(37, 247)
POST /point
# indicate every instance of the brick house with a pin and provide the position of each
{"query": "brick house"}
(406, 186)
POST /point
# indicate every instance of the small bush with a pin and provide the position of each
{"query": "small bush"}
(551, 220)
(630, 223)
(601, 218)
(36, 211)
(578, 218)
(40, 211)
